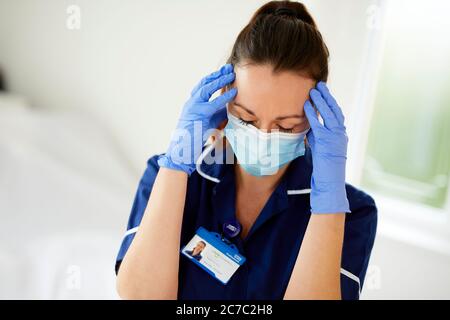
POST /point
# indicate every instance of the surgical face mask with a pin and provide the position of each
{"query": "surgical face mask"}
(262, 153)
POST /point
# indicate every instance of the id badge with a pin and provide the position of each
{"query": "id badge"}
(218, 258)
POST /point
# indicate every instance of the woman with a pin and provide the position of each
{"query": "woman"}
(304, 232)
(196, 252)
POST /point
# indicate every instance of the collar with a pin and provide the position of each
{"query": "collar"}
(296, 181)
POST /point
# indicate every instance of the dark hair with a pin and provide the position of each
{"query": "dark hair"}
(284, 35)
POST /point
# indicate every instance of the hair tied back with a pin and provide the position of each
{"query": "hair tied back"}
(283, 11)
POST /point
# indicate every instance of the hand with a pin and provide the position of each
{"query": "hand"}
(329, 152)
(198, 113)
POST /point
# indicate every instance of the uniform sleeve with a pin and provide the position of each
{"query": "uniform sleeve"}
(359, 237)
(137, 211)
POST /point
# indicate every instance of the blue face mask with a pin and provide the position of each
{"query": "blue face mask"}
(262, 153)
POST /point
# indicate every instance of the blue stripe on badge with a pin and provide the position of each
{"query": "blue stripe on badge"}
(217, 242)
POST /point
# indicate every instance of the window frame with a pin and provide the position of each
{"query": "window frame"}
(412, 223)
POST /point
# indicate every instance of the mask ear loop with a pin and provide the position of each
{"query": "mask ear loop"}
(315, 109)
(205, 152)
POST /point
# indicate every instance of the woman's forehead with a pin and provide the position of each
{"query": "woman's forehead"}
(258, 87)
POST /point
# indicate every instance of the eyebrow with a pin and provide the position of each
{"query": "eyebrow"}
(277, 118)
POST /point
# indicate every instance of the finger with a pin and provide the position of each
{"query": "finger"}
(218, 117)
(207, 109)
(205, 92)
(327, 115)
(322, 87)
(311, 115)
(227, 68)
(224, 98)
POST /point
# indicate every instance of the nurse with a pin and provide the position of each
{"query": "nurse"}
(304, 232)
(196, 252)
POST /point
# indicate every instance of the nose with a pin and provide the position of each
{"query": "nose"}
(264, 125)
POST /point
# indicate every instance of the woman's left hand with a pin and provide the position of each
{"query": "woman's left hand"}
(328, 144)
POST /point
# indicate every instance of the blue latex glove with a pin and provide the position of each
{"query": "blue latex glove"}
(329, 152)
(197, 117)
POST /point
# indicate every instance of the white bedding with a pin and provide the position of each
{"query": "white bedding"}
(65, 195)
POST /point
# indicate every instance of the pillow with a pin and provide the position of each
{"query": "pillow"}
(11, 100)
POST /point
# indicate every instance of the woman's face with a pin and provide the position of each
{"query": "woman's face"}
(198, 248)
(270, 101)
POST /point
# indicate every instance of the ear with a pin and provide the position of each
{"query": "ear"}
(222, 124)
(220, 127)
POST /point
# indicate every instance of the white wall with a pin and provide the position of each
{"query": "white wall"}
(403, 271)
(132, 64)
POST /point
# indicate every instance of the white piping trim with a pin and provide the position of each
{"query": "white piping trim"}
(200, 160)
(301, 191)
(353, 277)
(131, 231)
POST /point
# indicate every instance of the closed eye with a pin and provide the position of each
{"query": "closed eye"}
(288, 130)
(282, 129)
(245, 123)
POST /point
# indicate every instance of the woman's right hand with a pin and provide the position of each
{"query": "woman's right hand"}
(197, 117)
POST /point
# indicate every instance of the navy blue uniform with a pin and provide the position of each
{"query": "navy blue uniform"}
(273, 242)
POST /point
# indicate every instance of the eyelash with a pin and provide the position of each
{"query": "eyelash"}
(246, 123)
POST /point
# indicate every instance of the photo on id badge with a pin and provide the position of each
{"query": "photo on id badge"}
(206, 251)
